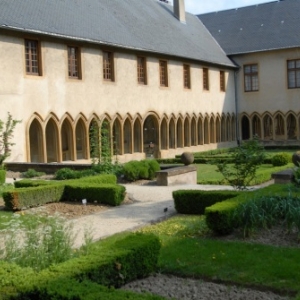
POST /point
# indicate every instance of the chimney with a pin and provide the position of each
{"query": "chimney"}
(179, 10)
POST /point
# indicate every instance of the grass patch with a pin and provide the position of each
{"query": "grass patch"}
(187, 250)
(209, 174)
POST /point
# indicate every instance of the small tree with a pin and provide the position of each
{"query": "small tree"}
(246, 159)
(6, 134)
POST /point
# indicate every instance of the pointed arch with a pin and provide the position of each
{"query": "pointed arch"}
(127, 136)
(218, 129)
(52, 142)
(206, 130)
(212, 130)
(245, 123)
(164, 134)
(117, 137)
(179, 133)
(194, 132)
(279, 126)
(224, 137)
(267, 127)
(291, 127)
(36, 141)
(81, 139)
(200, 131)
(137, 136)
(67, 141)
(151, 135)
(186, 133)
(256, 126)
(172, 137)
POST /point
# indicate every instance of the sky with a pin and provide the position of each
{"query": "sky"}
(205, 6)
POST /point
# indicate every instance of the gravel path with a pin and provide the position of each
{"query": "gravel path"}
(172, 287)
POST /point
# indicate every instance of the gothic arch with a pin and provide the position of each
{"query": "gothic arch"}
(245, 124)
(52, 141)
(279, 126)
(186, 133)
(172, 134)
(67, 139)
(179, 133)
(36, 141)
(194, 132)
(164, 134)
(291, 126)
(256, 126)
(268, 127)
(81, 138)
(137, 135)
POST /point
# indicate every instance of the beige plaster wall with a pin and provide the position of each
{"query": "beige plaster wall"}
(273, 94)
(53, 92)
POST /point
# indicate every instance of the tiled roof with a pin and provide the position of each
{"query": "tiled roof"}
(269, 26)
(146, 25)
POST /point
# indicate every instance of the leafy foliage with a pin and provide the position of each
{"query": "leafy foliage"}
(6, 134)
(31, 173)
(246, 160)
(281, 159)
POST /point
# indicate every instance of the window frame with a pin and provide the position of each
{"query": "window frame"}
(222, 81)
(74, 62)
(163, 73)
(108, 66)
(29, 61)
(251, 75)
(186, 76)
(205, 73)
(141, 70)
(294, 70)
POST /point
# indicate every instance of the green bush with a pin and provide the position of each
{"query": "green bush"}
(194, 202)
(110, 194)
(2, 176)
(145, 169)
(111, 263)
(66, 173)
(281, 159)
(31, 173)
(25, 183)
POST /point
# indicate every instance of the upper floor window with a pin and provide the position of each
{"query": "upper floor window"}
(141, 70)
(222, 81)
(186, 77)
(32, 57)
(163, 73)
(74, 68)
(108, 66)
(251, 78)
(293, 67)
(205, 79)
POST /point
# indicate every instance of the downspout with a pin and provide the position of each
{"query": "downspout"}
(238, 138)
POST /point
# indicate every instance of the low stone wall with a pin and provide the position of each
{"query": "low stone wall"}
(283, 177)
(177, 175)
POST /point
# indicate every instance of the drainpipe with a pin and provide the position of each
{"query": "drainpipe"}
(238, 137)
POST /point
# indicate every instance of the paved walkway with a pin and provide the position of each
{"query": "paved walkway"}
(150, 203)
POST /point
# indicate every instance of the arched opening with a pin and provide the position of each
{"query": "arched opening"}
(80, 140)
(245, 128)
(291, 125)
(105, 148)
(218, 130)
(193, 133)
(137, 136)
(186, 133)
(117, 138)
(179, 134)
(224, 137)
(36, 142)
(67, 141)
(52, 142)
(212, 131)
(228, 129)
(200, 132)
(206, 131)
(268, 128)
(233, 128)
(256, 126)
(279, 127)
(94, 139)
(164, 135)
(172, 139)
(127, 137)
(151, 134)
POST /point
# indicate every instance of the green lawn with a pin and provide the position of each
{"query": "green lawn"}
(188, 250)
(208, 174)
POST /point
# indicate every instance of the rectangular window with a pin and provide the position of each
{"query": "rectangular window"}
(293, 68)
(32, 57)
(251, 78)
(141, 70)
(74, 67)
(186, 77)
(222, 81)
(205, 79)
(163, 73)
(108, 66)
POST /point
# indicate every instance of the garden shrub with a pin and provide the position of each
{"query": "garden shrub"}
(110, 194)
(66, 173)
(2, 176)
(31, 173)
(25, 183)
(145, 169)
(194, 201)
(112, 263)
(281, 159)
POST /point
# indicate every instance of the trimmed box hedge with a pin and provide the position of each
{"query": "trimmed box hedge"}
(111, 262)
(194, 201)
(219, 217)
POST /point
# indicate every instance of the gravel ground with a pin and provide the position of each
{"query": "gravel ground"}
(172, 287)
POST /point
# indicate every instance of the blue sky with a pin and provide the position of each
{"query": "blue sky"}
(204, 6)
